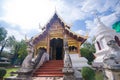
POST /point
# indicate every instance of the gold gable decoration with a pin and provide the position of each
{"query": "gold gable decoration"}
(54, 32)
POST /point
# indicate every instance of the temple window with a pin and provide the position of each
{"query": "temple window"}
(99, 45)
(117, 40)
(72, 49)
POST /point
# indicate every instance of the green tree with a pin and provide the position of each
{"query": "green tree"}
(89, 46)
(3, 33)
(20, 52)
(87, 54)
(87, 51)
(11, 41)
(3, 44)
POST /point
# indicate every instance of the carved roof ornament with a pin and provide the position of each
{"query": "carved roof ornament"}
(40, 27)
(26, 40)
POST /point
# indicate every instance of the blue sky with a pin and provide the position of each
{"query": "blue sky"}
(22, 17)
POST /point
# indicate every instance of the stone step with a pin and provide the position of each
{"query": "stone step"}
(49, 75)
(47, 78)
(50, 69)
(49, 72)
(45, 70)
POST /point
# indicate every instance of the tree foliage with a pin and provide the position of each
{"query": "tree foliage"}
(22, 52)
(2, 72)
(88, 73)
(17, 48)
(19, 52)
(3, 33)
(89, 46)
(87, 51)
(87, 54)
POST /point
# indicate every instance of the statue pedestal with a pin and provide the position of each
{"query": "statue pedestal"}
(78, 62)
(112, 72)
(20, 76)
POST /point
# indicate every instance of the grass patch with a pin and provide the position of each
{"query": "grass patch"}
(99, 75)
(10, 70)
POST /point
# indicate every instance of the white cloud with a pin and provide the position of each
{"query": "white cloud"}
(16, 33)
(109, 20)
(81, 32)
(27, 14)
(99, 5)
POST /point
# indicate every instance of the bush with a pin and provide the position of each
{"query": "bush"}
(2, 72)
(88, 73)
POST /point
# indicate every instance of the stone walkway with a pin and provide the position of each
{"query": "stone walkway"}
(47, 78)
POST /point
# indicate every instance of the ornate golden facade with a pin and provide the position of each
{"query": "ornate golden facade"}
(52, 38)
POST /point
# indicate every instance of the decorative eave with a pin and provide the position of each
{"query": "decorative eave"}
(77, 37)
(39, 37)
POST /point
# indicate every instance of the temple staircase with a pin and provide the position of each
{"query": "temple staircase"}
(52, 68)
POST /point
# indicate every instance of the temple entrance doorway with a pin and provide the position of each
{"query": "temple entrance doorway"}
(56, 49)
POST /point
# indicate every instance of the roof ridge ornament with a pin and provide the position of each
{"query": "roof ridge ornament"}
(40, 27)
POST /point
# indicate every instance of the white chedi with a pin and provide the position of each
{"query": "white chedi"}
(103, 35)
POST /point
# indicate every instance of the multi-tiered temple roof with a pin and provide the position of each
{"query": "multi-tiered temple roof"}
(66, 28)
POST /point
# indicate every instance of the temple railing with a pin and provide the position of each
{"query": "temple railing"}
(41, 59)
(25, 72)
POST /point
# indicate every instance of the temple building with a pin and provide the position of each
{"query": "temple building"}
(52, 38)
(56, 54)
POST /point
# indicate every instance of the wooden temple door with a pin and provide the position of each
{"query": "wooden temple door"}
(56, 49)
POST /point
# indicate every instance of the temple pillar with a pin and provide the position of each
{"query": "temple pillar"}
(48, 44)
(78, 49)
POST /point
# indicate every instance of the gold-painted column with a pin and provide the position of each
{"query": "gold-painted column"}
(79, 48)
(48, 44)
